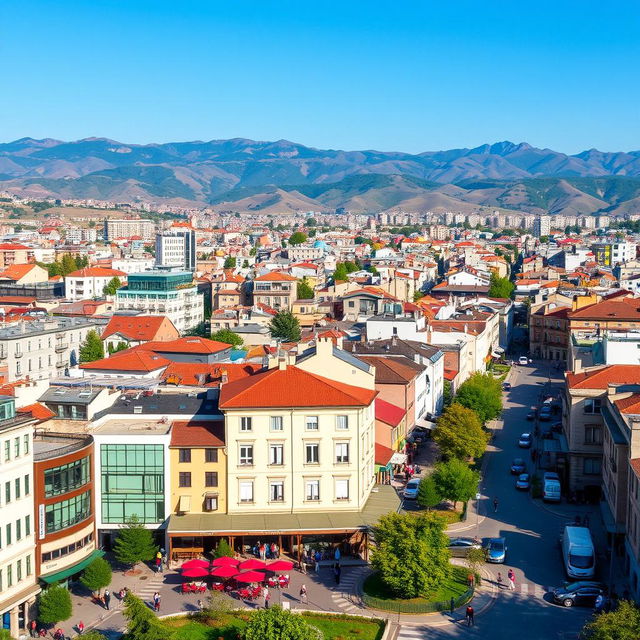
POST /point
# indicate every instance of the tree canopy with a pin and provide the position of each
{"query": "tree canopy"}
(482, 393)
(429, 495)
(223, 549)
(229, 262)
(134, 543)
(411, 553)
(54, 605)
(297, 237)
(459, 433)
(622, 623)
(455, 480)
(142, 624)
(91, 349)
(285, 326)
(500, 287)
(276, 624)
(228, 337)
(97, 575)
(112, 286)
(305, 290)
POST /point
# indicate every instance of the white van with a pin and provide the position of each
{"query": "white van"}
(551, 490)
(578, 553)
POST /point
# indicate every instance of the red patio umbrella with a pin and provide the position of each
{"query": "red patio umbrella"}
(225, 561)
(252, 563)
(196, 572)
(280, 565)
(196, 563)
(250, 576)
(224, 572)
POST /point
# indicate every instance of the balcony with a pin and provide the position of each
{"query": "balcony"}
(3, 355)
(18, 354)
(61, 346)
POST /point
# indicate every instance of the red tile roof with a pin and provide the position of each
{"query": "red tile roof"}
(630, 405)
(275, 276)
(383, 454)
(197, 434)
(601, 378)
(389, 413)
(142, 328)
(17, 300)
(17, 271)
(392, 370)
(612, 309)
(207, 375)
(38, 411)
(134, 360)
(635, 465)
(7, 246)
(292, 387)
(96, 272)
(189, 344)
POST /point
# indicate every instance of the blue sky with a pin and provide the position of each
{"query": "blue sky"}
(407, 75)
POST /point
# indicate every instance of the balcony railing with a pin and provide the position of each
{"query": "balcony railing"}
(61, 346)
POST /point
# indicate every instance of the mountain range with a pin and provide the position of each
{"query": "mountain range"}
(279, 177)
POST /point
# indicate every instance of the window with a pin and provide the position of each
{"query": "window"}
(27, 526)
(342, 489)
(211, 479)
(275, 423)
(245, 423)
(592, 405)
(276, 491)
(8, 538)
(27, 485)
(591, 466)
(312, 490)
(66, 513)
(342, 452)
(184, 479)
(276, 454)
(342, 422)
(9, 576)
(246, 491)
(311, 423)
(19, 570)
(18, 485)
(7, 492)
(16, 447)
(211, 503)
(7, 450)
(184, 455)
(312, 453)
(246, 454)
(26, 444)
(592, 435)
(1, 587)
(66, 477)
(18, 530)
(28, 563)
(211, 455)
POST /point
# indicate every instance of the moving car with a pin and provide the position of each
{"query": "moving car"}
(506, 386)
(524, 442)
(460, 547)
(518, 466)
(523, 360)
(578, 552)
(496, 550)
(411, 489)
(523, 483)
(582, 594)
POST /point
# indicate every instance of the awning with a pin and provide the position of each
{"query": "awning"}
(69, 571)
(184, 504)
(211, 494)
(398, 458)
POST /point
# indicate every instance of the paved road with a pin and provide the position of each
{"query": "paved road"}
(531, 533)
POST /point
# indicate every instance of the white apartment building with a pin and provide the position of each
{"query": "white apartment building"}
(76, 235)
(118, 229)
(541, 226)
(18, 587)
(90, 282)
(43, 349)
(176, 248)
(133, 265)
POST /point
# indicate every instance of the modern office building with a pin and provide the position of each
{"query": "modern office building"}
(164, 292)
(176, 247)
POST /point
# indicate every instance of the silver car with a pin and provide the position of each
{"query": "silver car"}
(411, 489)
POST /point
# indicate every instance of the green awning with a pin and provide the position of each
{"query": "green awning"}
(69, 571)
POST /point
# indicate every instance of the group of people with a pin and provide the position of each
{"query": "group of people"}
(266, 551)
(160, 561)
(511, 580)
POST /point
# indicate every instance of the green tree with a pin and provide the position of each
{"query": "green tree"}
(500, 287)
(121, 346)
(622, 623)
(5, 634)
(428, 493)
(459, 433)
(482, 393)
(475, 559)
(285, 326)
(351, 266)
(253, 251)
(455, 480)
(142, 624)
(417, 295)
(298, 237)
(81, 262)
(230, 262)
(223, 549)
(97, 575)
(447, 393)
(544, 239)
(276, 624)
(311, 222)
(411, 553)
(134, 543)
(245, 264)
(228, 337)
(112, 286)
(91, 349)
(305, 290)
(54, 605)
(68, 264)
(340, 273)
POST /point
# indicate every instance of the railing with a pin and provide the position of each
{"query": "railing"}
(79, 442)
(16, 420)
(61, 346)
(398, 606)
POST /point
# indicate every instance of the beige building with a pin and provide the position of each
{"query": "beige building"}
(276, 290)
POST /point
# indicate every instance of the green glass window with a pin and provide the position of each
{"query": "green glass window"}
(66, 477)
(66, 513)
(28, 565)
(26, 444)
(27, 485)
(18, 487)
(27, 525)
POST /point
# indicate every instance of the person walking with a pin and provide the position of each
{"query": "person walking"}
(107, 599)
(80, 627)
(495, 505)
(156, 601)
(266, 595)
(33, 626)
(512, 580)
(200, 606)
(469, 615)
(452, 605)
(303, 594)
(499, 580)
(336, 572)
(599, 605)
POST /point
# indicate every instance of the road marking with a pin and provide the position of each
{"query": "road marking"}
(412, 632)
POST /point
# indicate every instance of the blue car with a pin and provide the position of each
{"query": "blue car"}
(522, 482)
(496, 550)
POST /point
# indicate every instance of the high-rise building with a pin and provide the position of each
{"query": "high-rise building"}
(541, 226)
(176, 248)
(117, 229)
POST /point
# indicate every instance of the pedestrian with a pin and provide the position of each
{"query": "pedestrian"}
(599, 605)
(512, 580)
(107, 599)
(158, 563)
(499, 580)
(303, 594)
(318, 557)
(80, 627)
(266, 595)
(469, 616)
(156, 601)
(470, 580)
(336, 572)
(336, 554)
(33, 625)
(495, 505)
(200, 606)
(452, 605)
(263, 552)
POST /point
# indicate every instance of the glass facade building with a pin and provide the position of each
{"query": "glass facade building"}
(66, 477)
(66, 513)
(132, 478)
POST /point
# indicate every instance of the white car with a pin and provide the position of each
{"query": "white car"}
(523, 360)
(411, 490)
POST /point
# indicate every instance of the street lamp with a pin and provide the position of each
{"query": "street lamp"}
(478, 496)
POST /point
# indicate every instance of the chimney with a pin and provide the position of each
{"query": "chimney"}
(612, 389)
(394, 341)
(282, 363)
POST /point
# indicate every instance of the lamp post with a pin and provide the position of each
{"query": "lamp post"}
(478, 496)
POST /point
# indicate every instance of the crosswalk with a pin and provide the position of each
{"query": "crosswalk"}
(341, 593)
(413, 632)
(147, 588)
(525, 589)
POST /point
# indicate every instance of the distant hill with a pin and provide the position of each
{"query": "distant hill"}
(282, 176)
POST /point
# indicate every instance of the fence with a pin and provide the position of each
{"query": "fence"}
(398, 606)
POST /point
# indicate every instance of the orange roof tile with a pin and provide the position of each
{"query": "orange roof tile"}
(389, 413)
(275, 276)
(17, 271)
(96, 272)
(143, 328)
(629, 405)
(129, 360)
(613, 308)
(292, 387)
(188, 344)
(602, 377)
(205, 374)
(197, 434)
(38, 411)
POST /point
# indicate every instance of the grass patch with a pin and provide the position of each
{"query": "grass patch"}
(450, 516)
(228, 626)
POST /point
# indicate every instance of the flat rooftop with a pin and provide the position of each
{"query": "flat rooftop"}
(118, 426)
(50, 325)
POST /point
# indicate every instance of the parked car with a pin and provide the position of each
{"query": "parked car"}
(518, 466)
(496, 550)
(411, 489)
(582, 594)
(460, 547)
(556, 427)
(506, 386)
(551, 475)
(523, 483)
(544, 414)
(524, 441)
(523, 360)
